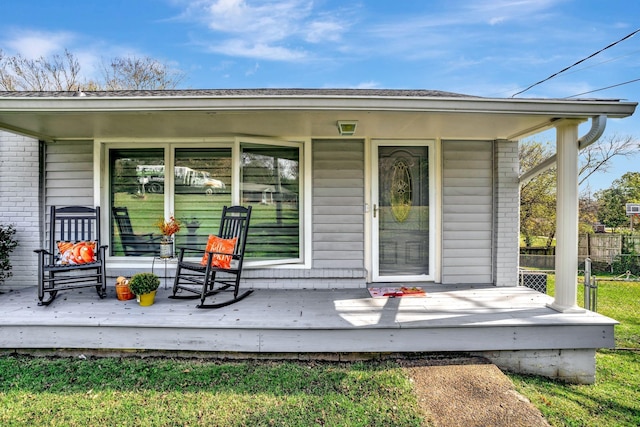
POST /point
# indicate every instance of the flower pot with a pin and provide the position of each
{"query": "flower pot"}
(166, 249)
(123, 292)
(146, 300)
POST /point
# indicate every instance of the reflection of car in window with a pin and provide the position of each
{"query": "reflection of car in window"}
(151, 177)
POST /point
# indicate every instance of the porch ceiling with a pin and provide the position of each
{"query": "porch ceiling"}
(187, 117)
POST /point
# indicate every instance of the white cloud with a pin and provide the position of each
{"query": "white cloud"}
(368, 85)
(236, 47)
(265, 29)
(34, 44)
(324, 31)
(362, 85)
(499, 11)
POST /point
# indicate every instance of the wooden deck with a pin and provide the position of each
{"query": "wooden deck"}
(449, 318)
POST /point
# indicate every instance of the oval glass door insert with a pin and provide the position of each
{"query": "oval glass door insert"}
(400, 191)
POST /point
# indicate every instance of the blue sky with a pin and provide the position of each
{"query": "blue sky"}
(492, 48)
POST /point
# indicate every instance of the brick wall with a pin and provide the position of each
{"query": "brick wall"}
(19, 189)
(507, 213)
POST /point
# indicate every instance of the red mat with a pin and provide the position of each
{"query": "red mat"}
(395, 292)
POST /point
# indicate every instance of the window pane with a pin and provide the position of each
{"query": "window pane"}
(202, 179)
(137, 201)
(271, 184)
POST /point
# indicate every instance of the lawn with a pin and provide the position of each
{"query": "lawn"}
(615, 398)
(163, 392)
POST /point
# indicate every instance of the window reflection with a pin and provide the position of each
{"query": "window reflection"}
(271, 183)
(137, 201)
(200, 186)
(202, 182)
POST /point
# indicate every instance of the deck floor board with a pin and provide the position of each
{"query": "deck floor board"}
(448, 318)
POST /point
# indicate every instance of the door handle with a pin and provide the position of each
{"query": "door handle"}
(375, 210)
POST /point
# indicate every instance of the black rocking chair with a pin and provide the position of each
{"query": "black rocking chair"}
(134, 244)
(199, 278)
(75, 258)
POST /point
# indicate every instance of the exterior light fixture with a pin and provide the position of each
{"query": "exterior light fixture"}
(347, 127)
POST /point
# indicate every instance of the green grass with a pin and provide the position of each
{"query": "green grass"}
(165, 392)
(615, 398)
(161, 392)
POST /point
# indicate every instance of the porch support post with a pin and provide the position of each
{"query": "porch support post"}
(566, 293)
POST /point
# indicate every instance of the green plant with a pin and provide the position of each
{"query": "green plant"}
(143, 283)
(7, 244)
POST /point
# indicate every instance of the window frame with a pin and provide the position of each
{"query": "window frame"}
(102, 191)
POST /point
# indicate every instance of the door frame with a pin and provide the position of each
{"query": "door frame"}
(371, 229)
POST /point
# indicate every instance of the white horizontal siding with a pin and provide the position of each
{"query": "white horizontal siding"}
(338, 200)
(69, 174)
(467, 211)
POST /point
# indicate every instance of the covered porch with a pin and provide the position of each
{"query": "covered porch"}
(512, 326)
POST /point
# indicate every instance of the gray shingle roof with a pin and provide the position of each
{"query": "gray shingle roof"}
(243, 93)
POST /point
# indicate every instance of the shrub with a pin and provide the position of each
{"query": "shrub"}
(7, 244)
(626, 262)
(143, 283)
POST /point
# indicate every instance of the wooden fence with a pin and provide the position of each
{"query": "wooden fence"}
(601, 248)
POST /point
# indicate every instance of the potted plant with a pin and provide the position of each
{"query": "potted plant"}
(167, 228)
(144, 285)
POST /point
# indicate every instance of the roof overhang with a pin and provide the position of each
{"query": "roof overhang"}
(198, 114)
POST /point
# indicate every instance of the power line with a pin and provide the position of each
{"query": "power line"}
(579, 62)
(604, 88)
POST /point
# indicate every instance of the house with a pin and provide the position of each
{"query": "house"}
(351, 187)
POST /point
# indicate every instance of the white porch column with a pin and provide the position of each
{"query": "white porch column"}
(567, 218)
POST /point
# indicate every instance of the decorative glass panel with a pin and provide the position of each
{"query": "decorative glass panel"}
(400, 191)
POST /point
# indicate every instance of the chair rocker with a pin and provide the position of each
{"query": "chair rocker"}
(221, 267)
(75, 258)
(134, 244)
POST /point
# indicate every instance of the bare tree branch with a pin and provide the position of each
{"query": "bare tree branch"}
(63, 73)
(596, 157)
(139, 74)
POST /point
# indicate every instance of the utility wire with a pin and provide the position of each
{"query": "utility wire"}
(608, 87)
(579, 62)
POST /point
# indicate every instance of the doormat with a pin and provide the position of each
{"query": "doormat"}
(402, 291)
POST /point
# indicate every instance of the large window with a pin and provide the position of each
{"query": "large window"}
(202, 186)
(137, 200)
(271, 184)
(204, 179)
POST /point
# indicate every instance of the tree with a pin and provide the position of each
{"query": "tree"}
(611, 207)
(537, 196)
(60, 72)
(63, 73)
(139, 74)
(596, 157)
(588, 214)
(612, 201)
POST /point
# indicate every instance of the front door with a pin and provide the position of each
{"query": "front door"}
(402, 212)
